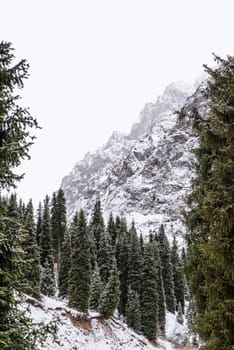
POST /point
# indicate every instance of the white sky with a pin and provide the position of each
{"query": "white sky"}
(95, 63)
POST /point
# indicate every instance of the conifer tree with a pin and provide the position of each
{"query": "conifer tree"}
(122, 258)
(46, 253)
(105, 257)
(58, 223)
(210, 219)
(15, 139)
(110, 297)
(80, 273)
(167, 274)
(111, 230)
(31, 270)
(39, 224)
(96, 289)
(149, 304)
(135, 262)
(65, 265)
(133, 311)
(97, 224)
(178, 276)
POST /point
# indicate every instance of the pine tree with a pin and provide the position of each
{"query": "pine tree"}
(111, 230)
(178, 276)
(97, 224)
(96, 289)
(65, 265)
(135, 262)
(15, 139)
(110, 297)
(149, 304)
(210, 220)
(122, 258)
(31, 270)
(133, 311)
(46, 252)
(80, 273)
(39, 224)
(105, 257)
(167, 274)
(58, 223)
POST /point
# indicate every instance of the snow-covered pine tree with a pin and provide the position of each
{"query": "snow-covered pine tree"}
(31, 268)
(149, 302)
(96, 289)
(133, 310)
(97, 226)
(58, 223)
(178, 276)
(167, 273)
(105, 257)
(80, 273)
(110, 297)
(16, 124)
(46, 253)
(65, 265)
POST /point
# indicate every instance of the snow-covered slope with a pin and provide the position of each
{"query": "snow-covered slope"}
(79, 332)
(144, 175)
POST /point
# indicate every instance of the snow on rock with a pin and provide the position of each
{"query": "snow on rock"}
(146, 175)
(77, 331)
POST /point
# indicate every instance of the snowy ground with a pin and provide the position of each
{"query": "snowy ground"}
(77, 332)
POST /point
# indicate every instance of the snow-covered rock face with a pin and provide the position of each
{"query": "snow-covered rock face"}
(145, 175)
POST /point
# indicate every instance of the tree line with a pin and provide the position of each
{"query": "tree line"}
(100, 267)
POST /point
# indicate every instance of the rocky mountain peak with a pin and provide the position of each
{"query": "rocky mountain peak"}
(146, 174)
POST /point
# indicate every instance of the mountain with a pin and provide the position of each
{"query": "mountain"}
(144, 175)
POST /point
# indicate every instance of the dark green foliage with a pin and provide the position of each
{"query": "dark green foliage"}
(122, 258)
(133, 312)
(80, 273)
(149, 307)
(210, 259)
(111, 229)
(39, 224)
(31, 269)
(135, 262)
(110, 297)
(167, 273)
(15, 140)
(65, 266)
(105, 257)
(15, 121)
(58, 223)
(46, 252)
(96, 289)
(178, 276)
(97, 224)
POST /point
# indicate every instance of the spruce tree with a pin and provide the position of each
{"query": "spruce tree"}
(96, 289)
(149, 303)
(210, 220)
(133, 310)
(80, 273)
(58, 223)
(178, 276)
(31, 270)
(167, 273)
(111, 230)
(110, 297)
(39, 224)
(97, 224)
(105, 257)
(65, 265)
(15, 139)
(46, 253)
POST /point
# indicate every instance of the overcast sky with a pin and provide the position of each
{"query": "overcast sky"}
(95, 63)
